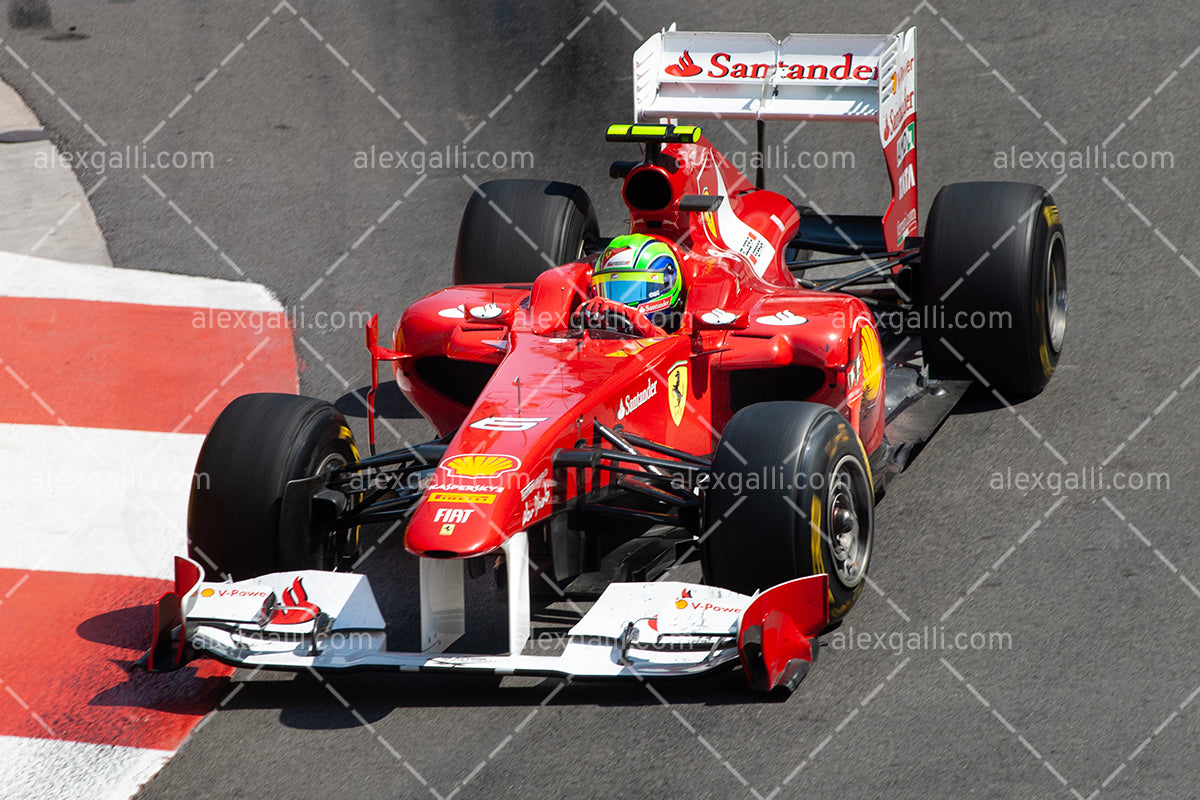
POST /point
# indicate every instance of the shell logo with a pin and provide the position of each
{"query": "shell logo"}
(480, 465)
(207, 593)
(872, 363)
(682, 602)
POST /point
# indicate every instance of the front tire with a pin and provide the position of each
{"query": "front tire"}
(993, 281)
(790, 496)
(257, 445)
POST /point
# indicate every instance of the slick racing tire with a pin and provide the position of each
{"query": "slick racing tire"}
(513, 230)
(258, 444)
(992, 286)
(790, 496)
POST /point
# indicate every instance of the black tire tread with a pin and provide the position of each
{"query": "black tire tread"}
(257, 444)
(556, 216)
(755, 539)
(1005, 222)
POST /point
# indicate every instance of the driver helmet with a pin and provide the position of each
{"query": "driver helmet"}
(640, 271)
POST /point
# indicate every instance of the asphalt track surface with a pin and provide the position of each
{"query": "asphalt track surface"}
(1096, 588)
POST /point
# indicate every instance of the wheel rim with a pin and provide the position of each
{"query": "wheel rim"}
(849, 522)
(1056, 293)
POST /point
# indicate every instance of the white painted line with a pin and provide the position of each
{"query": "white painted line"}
(95, 500)
(29, 276)
(36, 769)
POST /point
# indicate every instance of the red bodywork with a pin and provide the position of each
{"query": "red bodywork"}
(548, 385)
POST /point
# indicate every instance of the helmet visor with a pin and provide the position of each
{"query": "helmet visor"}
(632, 287)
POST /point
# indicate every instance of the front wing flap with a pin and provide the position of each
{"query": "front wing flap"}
(330, 621)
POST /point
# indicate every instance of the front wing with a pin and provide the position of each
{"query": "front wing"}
(328, 621)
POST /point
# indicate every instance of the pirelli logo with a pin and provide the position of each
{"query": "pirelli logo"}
(475, 498)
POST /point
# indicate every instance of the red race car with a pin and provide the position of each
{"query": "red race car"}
(606, 409)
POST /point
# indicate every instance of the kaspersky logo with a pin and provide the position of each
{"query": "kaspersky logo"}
(631, 403)
(684, 68)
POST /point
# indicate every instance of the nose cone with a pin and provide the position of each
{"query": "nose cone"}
(453, 530)
(467, 508)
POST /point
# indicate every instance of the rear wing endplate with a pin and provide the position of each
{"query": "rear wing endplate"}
(704, 75)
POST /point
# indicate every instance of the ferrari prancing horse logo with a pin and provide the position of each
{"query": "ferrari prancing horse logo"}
(677, 388)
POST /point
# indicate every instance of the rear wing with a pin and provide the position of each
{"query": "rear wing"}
(699, 75)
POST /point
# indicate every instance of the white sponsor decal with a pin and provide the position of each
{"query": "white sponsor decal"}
(534, 505)
(752, 246)
(631, 403)
(622, 259)
(905, 182)
(784, 317)
(489, 311)
(718, 316)
(730, 228)
(454, 515)
(508, 424)
(458, 312)
(535, 484)
(907, 225)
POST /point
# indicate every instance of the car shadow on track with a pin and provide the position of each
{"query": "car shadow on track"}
(124, 635)
(980, 400)
(390, 403)
(310, 702)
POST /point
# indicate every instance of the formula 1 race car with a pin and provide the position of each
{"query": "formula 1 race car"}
(606, 409)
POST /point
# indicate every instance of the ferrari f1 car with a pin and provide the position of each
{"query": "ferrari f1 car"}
(586, 445)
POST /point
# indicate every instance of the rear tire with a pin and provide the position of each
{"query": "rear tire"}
(258, 444)
(557, 217)
(791, 497)
(993, 279)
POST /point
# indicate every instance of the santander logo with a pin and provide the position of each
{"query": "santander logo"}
(829, 69)
(633, 402)
(685, 68)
